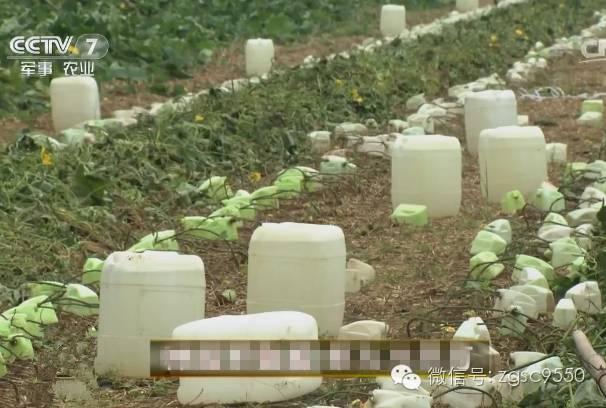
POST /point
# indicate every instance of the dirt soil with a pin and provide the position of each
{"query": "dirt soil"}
(226, 64)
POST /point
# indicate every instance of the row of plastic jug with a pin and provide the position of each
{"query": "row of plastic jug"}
(510, 156)
(393, 16)
(427, 170)
(296, 267)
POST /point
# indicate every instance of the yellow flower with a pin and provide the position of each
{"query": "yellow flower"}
(199, 118)
(494, 41)
(519, 32)
(73, 50)
(355, 96)
(254, 176)
(448, 329)
(339, 83)
(46, 158)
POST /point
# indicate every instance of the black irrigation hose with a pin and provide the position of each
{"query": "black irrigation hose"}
(486, 266)
(76, 302)
(21, 328)
(529, 364)
(504, 315)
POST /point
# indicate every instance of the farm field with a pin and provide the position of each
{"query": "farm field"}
(59, 207)
(131, 78)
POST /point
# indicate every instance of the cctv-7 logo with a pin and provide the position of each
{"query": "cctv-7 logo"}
(93, 42)
(594, 48)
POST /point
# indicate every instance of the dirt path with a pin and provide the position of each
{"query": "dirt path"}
(226, 64)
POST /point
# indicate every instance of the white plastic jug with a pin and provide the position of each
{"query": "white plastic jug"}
(543, 297)
(592, 198)
(532, 276)
(259, 55)
(364, 330)
(565, 314)
(393, 20)
(582, 216)
(472, 329)
(427, 171)
(551, 233)
(467, 5)
(74, 100)
(554, 218)
(372, 146)
(502, 228)
(488, 110)
(320, 141)
(432, 110)
(583, 236)
(592, 105)
(486, 241)
(508, 298)
(586, 296)
(358, 274)
(564, 251)
(548, 200)
(395, 399)
(556, 152)
(511, 158)
(595, 170)
(397, 125)
(345, 129)
(144, 296)
(423, 121)
(521, 358)
(299, 267)
(262, 326)
(470, 397)
(591, 119)
(335, 165)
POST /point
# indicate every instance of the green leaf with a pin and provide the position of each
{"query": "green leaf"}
(90, 187)
(229, 295)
